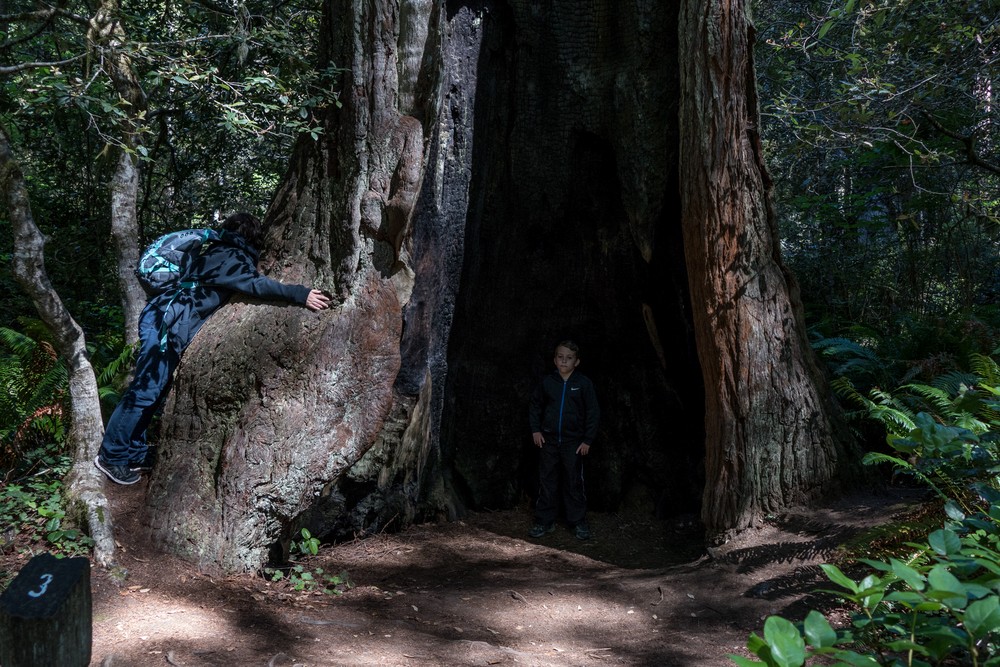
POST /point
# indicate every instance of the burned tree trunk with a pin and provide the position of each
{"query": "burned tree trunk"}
(770, 438)
(503, 175)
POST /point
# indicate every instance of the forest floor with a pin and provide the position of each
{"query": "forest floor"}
(479, 592)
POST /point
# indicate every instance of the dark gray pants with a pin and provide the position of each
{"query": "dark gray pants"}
(560, 462)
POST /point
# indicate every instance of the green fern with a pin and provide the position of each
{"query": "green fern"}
(849, 358)
(985, 368)
(882, 407)
(937, 401)
(112, 376)
(874, 458)
(21, 345)
(32, 379)
(955, 382)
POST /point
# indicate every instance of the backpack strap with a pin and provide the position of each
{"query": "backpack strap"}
(164, 329)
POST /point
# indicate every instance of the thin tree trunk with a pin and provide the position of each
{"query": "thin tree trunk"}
(770, 441)
(106, 33)
(125, 232)
(83, 483)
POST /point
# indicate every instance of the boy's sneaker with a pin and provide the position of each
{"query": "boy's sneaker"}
(540, 529)
(145, 464)
(582, 531)
(119, 474)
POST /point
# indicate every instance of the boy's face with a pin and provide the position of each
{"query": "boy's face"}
(565, 360)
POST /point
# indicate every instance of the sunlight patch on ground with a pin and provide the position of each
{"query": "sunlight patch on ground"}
(153, 618)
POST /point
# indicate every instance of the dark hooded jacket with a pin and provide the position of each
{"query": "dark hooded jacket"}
(565, 410)
(208, 279)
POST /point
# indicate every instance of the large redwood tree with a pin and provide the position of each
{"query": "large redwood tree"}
(770, 437)
(502, 174)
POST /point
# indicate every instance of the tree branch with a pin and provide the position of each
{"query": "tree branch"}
(43, 15)
(967, 140)
(20, 67)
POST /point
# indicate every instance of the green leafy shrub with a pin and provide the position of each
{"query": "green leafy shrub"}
(937, 604)
(965, 399)
(33, 512)
(308, 545)
(302, 579)
(34, 453)
(938, 607)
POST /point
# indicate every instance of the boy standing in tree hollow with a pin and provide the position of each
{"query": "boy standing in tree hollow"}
(563, 414)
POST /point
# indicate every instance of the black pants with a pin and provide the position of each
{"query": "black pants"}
(560, 460)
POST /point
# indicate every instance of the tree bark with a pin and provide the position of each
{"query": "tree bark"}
(769, 430)
(272, 404)
(500, 174)
(84, 491)
(106, 33)
(125, 232)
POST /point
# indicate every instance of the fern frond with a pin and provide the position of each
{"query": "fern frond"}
(31, 377)
(858, 367)
(885, 409)
(838, 346)
(939, 399)
(115, 367)
(844, 388)
(848, 357)
(971, 423)
(36, 329)
(955, 381)
(876, 457)
(21, 345)
(979, 402)
(109, 395)
(985, 368)
(895, 420)
(49, 387)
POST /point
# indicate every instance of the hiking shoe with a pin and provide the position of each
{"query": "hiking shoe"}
(540, 529)
(582, 531)
(145, 464)
(119, 474)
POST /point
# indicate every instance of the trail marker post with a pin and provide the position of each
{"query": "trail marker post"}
(45, 614)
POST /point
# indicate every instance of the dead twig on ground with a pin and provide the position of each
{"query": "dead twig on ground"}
(518, 596)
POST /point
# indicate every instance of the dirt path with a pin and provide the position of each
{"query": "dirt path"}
(478, 593)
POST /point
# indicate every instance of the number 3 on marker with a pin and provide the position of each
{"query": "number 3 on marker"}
(46, 580)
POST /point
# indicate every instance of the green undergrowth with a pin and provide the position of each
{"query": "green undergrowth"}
(298, 576)
(923, 591)
(891, 539)
(33, 512)
(35, 452)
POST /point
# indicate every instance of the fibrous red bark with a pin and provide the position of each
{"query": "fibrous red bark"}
(769, 431)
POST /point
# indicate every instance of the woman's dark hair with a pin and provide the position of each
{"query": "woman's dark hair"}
(246, 225)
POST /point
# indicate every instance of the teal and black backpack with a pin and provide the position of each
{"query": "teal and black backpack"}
(159, 267)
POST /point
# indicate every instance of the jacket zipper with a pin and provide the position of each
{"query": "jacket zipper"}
(562, 404)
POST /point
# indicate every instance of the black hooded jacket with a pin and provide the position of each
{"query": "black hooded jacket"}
(208, 280)
(565, 411)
